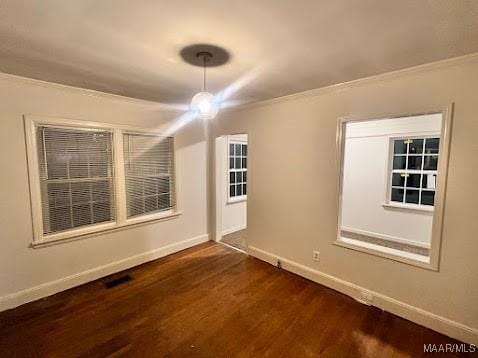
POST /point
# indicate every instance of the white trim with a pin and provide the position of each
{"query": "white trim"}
(79, 234)
(233, 230)
(236, 199)
(420, 316)
(386, 237)
(379, 78)
(121, 221)
(442, 170)
(49, 288)
(371, 248)
(415, 207)
(87, 92)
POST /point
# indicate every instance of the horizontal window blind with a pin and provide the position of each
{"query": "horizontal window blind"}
(149, 168)
(76, 177)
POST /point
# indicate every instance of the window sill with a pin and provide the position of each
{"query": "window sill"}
(386, 252)
(90, 231)
(237, 199)
(413, 207)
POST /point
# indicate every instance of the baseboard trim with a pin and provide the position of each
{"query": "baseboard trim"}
(233, 230)
(424, 318)
(49, 288)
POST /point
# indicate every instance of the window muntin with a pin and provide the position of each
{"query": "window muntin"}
(149, 173)
(414, 170)
(76, 177)
(237, 169)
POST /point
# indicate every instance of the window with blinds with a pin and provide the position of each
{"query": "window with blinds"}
(76, 177)
(149, 173)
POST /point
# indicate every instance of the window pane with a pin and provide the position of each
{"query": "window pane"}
(397, 195)
(432, 145)
(244, 176)
(238, 163)
(75, 154)
(164, 201)
(428, 197)
(151, 203)
(239, 177)
(400, 147)
(81, 215)
(413, 180)
(244, 189)
(412, 196)
(237, 150)
(232, 191)
(101, 211)
(232, 177)
(148, 167)
(231, 163)
(244, 149)
(244, 163)
(429, 181)
(399, 162)
(231, 149)
(415, 163)
(431, 162)
(416, 146)
(398, 179)
(60, 219)
(239, 189)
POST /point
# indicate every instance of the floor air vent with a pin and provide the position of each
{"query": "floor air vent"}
(117, 281)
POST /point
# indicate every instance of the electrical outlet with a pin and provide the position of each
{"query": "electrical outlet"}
(366, 297)
(316, 256)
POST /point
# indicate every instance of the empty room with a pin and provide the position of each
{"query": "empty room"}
(231, 178)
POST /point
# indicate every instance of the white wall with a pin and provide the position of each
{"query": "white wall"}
(232, 215)
(27, 273)
(365, 170)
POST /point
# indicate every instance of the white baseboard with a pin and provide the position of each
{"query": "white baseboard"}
(49, 288)
(430, 320)
(233, 229)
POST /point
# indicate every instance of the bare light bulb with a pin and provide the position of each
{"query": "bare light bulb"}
(204, 105)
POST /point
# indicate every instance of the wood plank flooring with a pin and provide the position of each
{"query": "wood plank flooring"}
(207, 301)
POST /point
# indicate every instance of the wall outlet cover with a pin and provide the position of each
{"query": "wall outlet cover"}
(316, 256)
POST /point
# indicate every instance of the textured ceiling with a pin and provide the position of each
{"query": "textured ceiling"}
(131, 47)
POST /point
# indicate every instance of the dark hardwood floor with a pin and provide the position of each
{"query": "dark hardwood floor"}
(208, 301)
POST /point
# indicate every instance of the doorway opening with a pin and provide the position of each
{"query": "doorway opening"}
(231, 190)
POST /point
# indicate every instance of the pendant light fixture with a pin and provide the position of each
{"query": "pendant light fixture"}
(203, 103)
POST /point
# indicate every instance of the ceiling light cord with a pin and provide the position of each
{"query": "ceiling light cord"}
(204, 73)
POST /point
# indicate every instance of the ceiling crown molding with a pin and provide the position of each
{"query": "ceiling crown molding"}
(79, 90)
(387, 76)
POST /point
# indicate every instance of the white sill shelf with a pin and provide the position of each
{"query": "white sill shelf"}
(424, 208)
(94, 230)
(386, 252)
(237, 199)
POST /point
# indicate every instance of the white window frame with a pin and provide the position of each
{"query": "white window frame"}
(389, 174)
(431, 262)
(235, 199)
(121, 221)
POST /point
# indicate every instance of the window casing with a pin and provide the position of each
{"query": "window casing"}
(84, 178)
(413, 171)
(237, 164)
